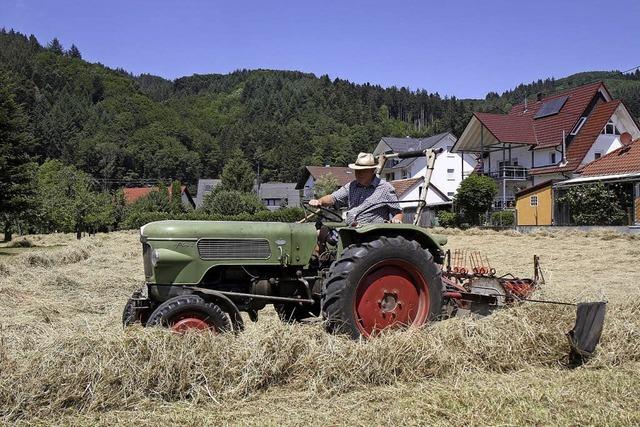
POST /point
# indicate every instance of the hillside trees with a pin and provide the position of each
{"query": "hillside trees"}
(16, 166)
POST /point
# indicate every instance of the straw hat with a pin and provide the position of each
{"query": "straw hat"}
(365, 161)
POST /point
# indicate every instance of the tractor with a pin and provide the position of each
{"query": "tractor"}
(361, 279)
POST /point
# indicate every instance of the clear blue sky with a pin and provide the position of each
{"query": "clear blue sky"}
(461, 48)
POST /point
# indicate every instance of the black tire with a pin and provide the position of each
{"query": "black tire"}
(130, 315)
(292, 312)
(360, 260)
(173, 309)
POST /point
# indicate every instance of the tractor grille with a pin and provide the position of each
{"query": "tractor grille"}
(146, 258)
(234, 249)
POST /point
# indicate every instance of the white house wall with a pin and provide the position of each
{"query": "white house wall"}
(433, 199)
(604, 144)
(445, 182)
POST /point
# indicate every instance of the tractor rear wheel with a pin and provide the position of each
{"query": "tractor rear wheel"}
(186, 312)
(386, 283)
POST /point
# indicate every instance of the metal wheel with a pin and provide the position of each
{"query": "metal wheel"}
(392, 293)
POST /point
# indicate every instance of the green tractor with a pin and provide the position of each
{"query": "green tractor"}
(360, 279)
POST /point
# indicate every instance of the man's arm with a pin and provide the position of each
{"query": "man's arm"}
(339, 198)
(325, 201)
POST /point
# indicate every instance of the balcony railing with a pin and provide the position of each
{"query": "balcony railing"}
(518, 173)
(499, 204)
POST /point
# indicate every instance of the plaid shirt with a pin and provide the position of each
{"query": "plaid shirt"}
(358, 198)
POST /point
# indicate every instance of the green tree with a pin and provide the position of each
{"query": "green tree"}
(67, 201)
(475, 196)
(326, 184)
(16, 168)
(593, 205)
(237, 174)
(232, 203)
(74, 52)
(55, 46)
(175, 203)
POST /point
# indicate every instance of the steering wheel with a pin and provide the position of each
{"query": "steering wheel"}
(337, 216)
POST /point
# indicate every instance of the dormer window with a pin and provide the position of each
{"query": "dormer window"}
(578, 125)
(610, 129)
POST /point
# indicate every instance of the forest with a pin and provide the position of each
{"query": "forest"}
(116, 129)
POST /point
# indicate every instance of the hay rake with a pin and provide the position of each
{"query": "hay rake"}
(472, 288)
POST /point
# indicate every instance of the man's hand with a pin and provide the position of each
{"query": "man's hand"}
(325, 201)
(397, 219)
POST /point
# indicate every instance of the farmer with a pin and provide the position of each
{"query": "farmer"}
(361, 194)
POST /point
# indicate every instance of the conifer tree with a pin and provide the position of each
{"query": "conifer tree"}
(55, 46)
(74, 52)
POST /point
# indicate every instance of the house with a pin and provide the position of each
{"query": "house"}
(132, 194)
(312, 174)
(276, 195)
(410, 190)
(620, 167)
(449, 169)
(534, 205)
(549, 139)
(205, 186)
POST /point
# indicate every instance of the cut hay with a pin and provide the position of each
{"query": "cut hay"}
(20, 243)
(65, 358)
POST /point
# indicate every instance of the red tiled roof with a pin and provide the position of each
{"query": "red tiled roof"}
(590, 130)
(580, 145)
(508, 128)
(403, 185)
(135, 193)
(548, 130)
(344, 175)
(625, 159)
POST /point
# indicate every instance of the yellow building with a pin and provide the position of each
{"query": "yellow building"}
(534, 205)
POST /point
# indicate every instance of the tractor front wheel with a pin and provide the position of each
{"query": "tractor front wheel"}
(187, 312)
(386, 283)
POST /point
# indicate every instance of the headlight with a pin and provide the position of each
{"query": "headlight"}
(155, 256)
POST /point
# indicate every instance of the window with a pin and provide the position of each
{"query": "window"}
(405, 174)
(390, 177)
(553, 158)
(533, 200)
(450, 173)
(596, 156)
(578, 125)
(450, 194)
(449, 153)
(610, 129)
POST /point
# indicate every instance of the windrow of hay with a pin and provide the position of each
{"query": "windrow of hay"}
(55, 257)
(20, 243)
(95, 370)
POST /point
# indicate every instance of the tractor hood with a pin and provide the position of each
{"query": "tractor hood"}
(184, 250)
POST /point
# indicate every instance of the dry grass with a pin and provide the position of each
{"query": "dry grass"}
(65, 359)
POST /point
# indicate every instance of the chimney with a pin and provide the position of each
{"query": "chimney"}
(539, 96)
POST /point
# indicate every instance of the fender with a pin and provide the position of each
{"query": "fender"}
(226, 303)
(351, 235)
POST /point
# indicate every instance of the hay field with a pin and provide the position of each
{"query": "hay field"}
(65, 360)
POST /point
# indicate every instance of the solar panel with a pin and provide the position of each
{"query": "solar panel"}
(550, 108)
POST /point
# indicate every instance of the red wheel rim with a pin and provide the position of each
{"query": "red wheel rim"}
(190, 321)
(392, 293)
